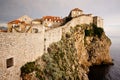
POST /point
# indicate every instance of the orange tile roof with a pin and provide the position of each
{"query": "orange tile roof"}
(76, 9)
(15, 21)
(3, 30)
(52, 18)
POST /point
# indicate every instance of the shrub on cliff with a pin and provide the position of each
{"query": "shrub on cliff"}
(89, 32)
(28, 68)
(95, 31)
(98, 32)
(61, 62)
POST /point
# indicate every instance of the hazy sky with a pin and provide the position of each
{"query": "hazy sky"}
(109, 10)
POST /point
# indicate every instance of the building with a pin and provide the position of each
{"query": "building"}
(18, 26)
(98, 21)
(75, 12)
(17, 49)
(22, 24)
(36, 22)
(3, 29)
(27, 24)
(26, 19)
(51, 21)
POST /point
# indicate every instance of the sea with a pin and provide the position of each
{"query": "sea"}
(111, 72)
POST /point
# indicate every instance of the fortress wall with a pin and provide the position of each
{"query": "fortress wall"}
(98, 21)
(77, 21)
(52, 35)
(86, 19)
(22, 48)
(39, 27)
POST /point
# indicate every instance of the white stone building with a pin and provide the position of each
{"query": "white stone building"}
(75, 12)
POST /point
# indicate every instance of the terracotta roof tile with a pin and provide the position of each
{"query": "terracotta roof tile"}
(3, 30)
(52, 18)
(76, 9)
(15, 21)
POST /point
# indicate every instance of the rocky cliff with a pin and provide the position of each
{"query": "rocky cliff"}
(70, 58)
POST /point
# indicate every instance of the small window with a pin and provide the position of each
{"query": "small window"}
(9, 62)
(44, 39)
(74, 12)
(44, 48)
(35, 30)
(49, 19)
(25, 19)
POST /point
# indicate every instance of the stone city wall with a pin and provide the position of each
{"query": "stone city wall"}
(52, 35)
(83, 19)
(98, 21)
(16, 49)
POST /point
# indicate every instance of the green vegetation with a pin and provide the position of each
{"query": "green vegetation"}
(61, 62)
(28, 68)
(89, 32)
(66, 19)
(98, 31)
(95, 31)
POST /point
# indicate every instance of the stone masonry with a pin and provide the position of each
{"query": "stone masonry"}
(16, 49)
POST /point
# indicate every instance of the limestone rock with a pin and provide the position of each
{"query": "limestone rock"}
(71, 57)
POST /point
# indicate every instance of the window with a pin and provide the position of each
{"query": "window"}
(35, 30)
(74, 12)
(25, 19)
(44, 39)
(9, 62)
(49, 19)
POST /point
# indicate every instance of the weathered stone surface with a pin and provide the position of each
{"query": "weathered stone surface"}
(22, 48)
(71, 57)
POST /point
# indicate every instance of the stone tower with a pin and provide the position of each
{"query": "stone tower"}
(98, 21)
(75, 12)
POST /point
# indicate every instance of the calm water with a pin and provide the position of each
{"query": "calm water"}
(109, 72)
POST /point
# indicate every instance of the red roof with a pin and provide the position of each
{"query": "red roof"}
(76, 9)
(3, 30)
(52, 18)
(15, 21)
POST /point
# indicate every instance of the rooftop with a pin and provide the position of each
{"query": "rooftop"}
(52, 18)
(76, 9)
(15, 22)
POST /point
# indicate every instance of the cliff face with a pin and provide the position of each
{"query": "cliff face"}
(98, 50)
(71, 57)
(93, 44)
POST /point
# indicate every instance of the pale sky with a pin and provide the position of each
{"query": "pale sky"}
(109, 10)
